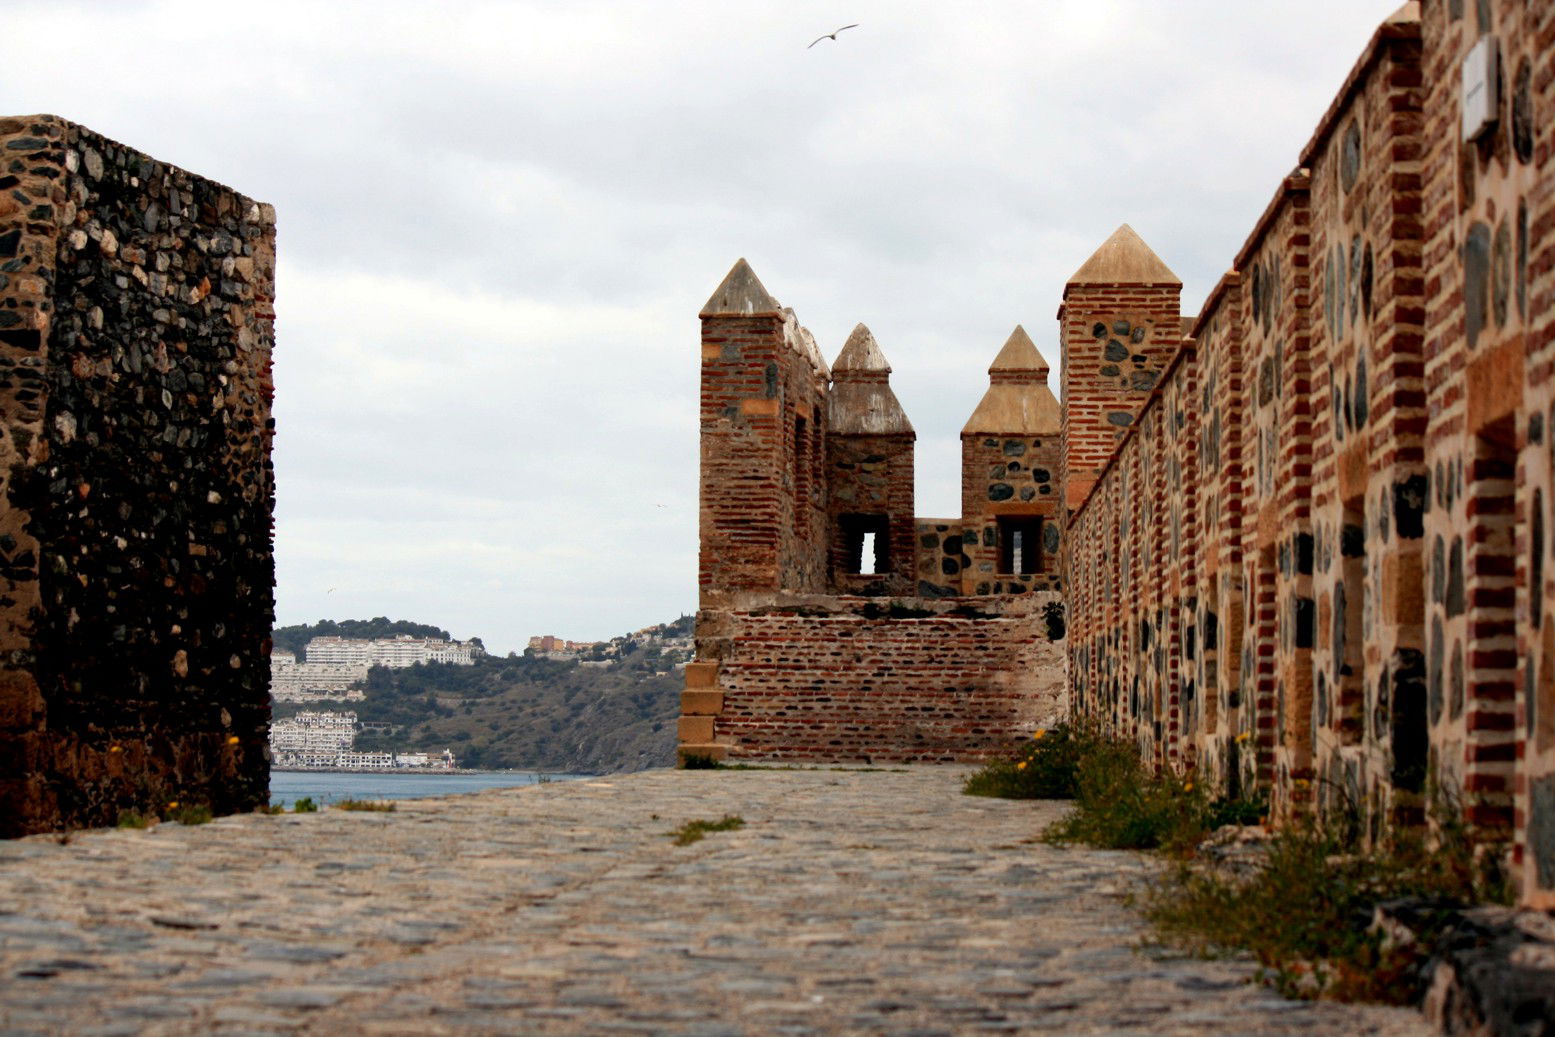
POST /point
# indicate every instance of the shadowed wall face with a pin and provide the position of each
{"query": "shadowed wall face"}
(135, 342)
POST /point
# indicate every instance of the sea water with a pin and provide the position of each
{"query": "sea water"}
(326, 787)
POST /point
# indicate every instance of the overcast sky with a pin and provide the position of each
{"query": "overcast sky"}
(497, 223)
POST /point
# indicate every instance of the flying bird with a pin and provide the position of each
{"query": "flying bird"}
(833, 35)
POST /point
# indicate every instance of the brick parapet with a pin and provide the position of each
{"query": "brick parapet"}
(856, 679)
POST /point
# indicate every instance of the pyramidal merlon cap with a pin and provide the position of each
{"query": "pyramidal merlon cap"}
(741, 294)
(861, 353)
(1124, 258)
(1019, 354)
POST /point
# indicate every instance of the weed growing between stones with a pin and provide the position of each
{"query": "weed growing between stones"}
(1047, 767)
(378, 806)
(188, 813)
(694, 831)
(132, 819)
(271, 809)
(697, 762)
(1119, 802)
(1308, 910)
(305, 805)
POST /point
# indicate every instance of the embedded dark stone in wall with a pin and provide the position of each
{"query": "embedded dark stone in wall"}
(1455, 683)
(1410, 498)
(1541, 828)
(1362, 402)
(1115, 351)
(1050, 537)
(1306, 620)
(1265, 382)
(1522, 113)
(1014, 448)
(1434, 674)
(1522, 258)
(1454, 596)
(1350, 156)
(1099, 330)
(1352, 541)
(10, 243)
(1476, 281)
(1501, 273)
(1111, 371)
(1000, 491)
(1120, 418)
(1304, 553)
(1409, 734)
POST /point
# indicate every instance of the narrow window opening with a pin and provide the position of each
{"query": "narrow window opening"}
(866, 547)
(1020, 545)
(867, 555)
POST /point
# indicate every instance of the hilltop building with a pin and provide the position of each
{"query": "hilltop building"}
(394, 652)
(1304, 537)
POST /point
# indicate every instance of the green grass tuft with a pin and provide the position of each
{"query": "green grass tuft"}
(693, 831)
(376, 806)
(305, 805)
(189, 813)
(133, 819)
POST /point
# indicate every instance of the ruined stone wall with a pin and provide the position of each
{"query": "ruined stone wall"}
(852, 679)
(135, 341)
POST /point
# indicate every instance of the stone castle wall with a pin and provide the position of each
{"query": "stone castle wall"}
(1360, 622)
(136, 589)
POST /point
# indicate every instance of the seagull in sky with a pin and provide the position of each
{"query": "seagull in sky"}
(833, 35)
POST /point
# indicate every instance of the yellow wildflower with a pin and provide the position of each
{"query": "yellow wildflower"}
(1021, 765)
(1188, 787)
(233, 740)
(1038, 736)
(173, 805)
(1244, 736)
(116, 748)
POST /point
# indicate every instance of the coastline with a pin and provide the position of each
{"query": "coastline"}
(420, 772)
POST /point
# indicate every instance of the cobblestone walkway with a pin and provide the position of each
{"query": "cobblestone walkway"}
(851, 902)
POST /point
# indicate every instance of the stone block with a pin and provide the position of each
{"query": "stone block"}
(695, 730)
(701, 703)
(701, 675)
(758, 407)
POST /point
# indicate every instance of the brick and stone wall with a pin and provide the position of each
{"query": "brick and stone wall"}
(136, 590)
(1365, 624)
(805, 649)
(854, 679)
(1489, 270)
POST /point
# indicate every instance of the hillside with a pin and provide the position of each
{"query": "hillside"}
(523, 712)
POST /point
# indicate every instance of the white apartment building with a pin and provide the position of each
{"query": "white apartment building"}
(292, 681)
(400, 651)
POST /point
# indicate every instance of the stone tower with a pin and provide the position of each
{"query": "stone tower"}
(1120, 324)
(763, 515)
(869, 464)
(1010, 505)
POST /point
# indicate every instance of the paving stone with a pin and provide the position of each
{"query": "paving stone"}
(868, 901)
